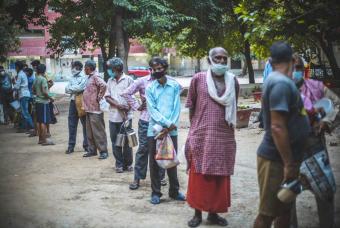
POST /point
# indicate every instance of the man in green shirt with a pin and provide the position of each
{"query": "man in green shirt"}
(42, 99)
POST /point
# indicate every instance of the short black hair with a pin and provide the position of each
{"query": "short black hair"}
(159, 61)
(35, 63)
(77, 64)
(41, 69)
(91, 64)
(28, 71)
(19, 64)
(281, 52)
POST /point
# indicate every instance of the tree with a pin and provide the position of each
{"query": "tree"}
(108, 24)
(307, 25)
(15, 15)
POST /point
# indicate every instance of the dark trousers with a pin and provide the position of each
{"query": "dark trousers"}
(142, 154)
(73, 120)
(154, 171)
(26, 116)
(123, 155)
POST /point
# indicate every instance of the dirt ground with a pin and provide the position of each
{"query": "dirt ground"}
(44, 187)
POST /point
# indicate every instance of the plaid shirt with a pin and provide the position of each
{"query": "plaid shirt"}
(93, 93)
(140, 86)
(211, 144)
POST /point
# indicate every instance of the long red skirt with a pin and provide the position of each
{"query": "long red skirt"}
(208, 193)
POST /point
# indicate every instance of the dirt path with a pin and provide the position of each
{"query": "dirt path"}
(43, 187)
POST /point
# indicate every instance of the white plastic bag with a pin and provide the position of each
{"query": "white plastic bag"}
(104, 106)
(166, 156)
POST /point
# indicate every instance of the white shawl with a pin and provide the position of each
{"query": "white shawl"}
(228, 99)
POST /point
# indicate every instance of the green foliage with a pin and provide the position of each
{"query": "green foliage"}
(15, 15)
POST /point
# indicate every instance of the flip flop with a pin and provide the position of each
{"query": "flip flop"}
(195, 222)
(217, 220)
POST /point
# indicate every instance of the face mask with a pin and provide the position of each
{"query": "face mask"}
(297, 76)
(157, 75)
(75, 71)
(2, 73)
(111, 73)
(217, 68)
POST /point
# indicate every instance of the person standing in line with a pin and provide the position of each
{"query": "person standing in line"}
(141, 159)
(41, 90)
(119, 113)
(34, 64)
(164, 106)
(286, 127)
(211, 144)
(21, 85)
(6, 95)
(75, 86)
(95, 125)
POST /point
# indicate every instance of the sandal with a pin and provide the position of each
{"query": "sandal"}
(217, 220)
(195, 222)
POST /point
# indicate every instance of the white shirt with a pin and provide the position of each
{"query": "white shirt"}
(114, 90)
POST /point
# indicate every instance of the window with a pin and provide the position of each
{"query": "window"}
(32, 33)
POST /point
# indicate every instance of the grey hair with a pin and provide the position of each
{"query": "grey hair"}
(90, 63)
(115, 62)
(213, 51)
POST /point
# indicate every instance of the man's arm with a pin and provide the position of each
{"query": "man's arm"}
(128, 94)
(191, 99)
(18, 82)
(102, 87)
(153, 111)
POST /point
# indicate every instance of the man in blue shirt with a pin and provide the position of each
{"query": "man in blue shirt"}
(163, 104)
(21, 85)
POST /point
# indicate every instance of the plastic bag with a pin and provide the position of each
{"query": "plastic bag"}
(166, 156)
(104, 106)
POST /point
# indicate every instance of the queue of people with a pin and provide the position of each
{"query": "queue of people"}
(27, 102)
(287, 112)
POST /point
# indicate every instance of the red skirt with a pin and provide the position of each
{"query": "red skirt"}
(208, 193)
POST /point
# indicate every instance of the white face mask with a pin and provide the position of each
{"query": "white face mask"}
(74, 71)
(217, 68)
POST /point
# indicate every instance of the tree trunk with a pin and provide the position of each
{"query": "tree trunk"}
(327, 48)
(120, 38)
(112, 39)
(244, 70)
(198, 66)
(104, 55)
(127, 50)
(248, 62)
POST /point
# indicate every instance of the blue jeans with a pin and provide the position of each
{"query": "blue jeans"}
(73, 120)
(142, 154)
(24, 101)
(123, 155)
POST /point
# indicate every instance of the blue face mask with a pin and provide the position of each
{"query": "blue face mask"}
(218, 69)
(111, 73)
(297, 76)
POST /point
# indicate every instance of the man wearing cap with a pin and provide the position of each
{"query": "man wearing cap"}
(119, 112)
(286, 126)
(95, 126)
(75, 87)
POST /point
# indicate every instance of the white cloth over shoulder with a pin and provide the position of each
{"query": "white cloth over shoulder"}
(228, 99)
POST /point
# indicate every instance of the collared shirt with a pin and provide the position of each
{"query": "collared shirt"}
(93, 93)
(114, 90)
(22, 85)
(164, 105)
(140, 86)
(76, 85)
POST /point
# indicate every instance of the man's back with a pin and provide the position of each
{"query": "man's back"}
(281, 95)
(39, 85)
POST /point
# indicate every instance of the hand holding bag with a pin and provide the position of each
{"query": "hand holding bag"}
(166, 156)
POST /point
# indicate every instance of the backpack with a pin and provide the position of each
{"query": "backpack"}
(6, 84)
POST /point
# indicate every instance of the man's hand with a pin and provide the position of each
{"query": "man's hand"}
(291, 172)
(172, 127)
(123, 108)
(142, 106)
(51, 99)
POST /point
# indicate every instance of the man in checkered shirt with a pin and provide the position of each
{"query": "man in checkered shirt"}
(211, 145)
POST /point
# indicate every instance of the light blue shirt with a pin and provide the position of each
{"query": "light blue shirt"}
(163, 104)
(76, 85)
(267, 70)
(21, 85)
